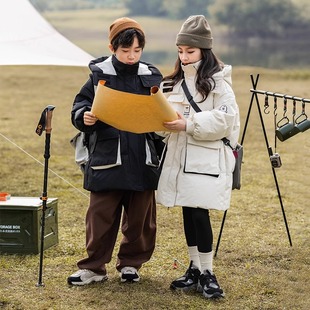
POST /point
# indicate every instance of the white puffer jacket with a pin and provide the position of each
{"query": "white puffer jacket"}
(197, 170)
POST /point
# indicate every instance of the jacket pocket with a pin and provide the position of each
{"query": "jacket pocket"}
(107, 153)
(151, 158)
(154, 148)
(202, 157)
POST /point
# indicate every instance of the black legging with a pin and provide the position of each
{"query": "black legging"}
(197, 228)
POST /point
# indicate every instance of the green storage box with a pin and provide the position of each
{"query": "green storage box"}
(20, 225)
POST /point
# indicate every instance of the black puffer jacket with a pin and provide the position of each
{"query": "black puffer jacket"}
(118, 159)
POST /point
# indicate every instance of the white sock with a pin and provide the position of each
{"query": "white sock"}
(206, 261)
(194, 256)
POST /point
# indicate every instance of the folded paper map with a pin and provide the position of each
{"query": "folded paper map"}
(132, 112)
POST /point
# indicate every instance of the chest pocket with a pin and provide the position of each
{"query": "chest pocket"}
(202, 157)
(176, 98)
(179, 104)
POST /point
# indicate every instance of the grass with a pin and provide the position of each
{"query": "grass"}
(255, 264)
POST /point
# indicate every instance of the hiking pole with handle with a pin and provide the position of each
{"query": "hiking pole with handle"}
(45, 123)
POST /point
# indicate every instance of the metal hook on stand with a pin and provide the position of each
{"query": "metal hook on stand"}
(286, 120)
(294, 110)
(303, 112)
(275, 105)
(266, 105)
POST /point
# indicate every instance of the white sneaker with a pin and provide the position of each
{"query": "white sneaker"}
(85, 276)
(129, 274)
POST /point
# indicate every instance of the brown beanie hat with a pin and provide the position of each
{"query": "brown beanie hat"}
(195, 32)
(122, 24)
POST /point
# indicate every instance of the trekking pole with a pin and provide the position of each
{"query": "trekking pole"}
(45, 123)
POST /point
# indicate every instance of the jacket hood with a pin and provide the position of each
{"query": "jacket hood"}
(222, 77)
(225, 74)
(109, 65)
(93, 62)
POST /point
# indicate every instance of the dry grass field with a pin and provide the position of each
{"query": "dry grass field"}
(255, 264)
(89, 29)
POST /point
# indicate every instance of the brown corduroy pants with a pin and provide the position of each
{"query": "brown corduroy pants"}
(102, 224)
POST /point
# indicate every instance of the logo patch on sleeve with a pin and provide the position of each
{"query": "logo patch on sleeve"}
(223, 108)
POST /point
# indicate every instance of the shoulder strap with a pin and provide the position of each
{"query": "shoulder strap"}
(227, 142)
(190, 97)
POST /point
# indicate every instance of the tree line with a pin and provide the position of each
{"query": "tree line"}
(243, 18)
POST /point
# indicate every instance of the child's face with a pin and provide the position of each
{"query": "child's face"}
(129, 55)
(188, 54)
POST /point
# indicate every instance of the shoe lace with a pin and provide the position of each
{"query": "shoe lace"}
(207, 279)
(191, 272)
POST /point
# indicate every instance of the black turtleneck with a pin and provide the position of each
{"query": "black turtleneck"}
(127, 79)
(122, 68)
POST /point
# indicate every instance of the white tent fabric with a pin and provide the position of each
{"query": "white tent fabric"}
(26, 38)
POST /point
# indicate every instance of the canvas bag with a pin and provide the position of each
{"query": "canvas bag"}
(238, 150)
(81, 151)
(238, 153)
